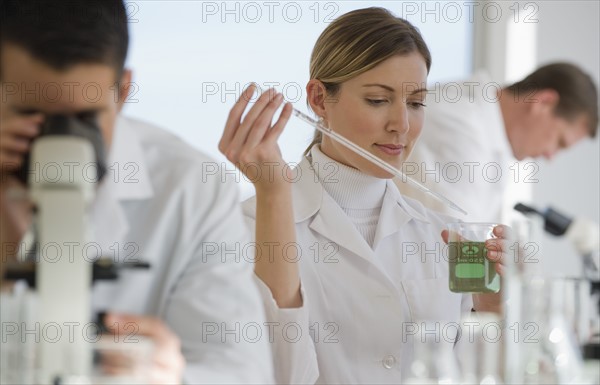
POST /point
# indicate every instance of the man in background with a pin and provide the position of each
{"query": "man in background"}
(475, 132)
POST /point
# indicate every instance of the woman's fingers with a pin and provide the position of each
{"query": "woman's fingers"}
(499, 269)
(241, 134)
(235, 116)
(263, 122)
(496, 249)
(502, 231)
(456, 237)
(252, 140)
(277, 129)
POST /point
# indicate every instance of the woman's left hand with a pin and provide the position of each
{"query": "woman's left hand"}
(498, 249)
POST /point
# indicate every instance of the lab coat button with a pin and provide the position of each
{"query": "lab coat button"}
(389, 362)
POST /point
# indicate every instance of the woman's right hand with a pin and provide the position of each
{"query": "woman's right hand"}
(251, 143)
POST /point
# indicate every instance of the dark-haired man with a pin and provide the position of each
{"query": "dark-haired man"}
(154, 204)
(475, 131)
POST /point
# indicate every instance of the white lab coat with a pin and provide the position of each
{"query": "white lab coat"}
(159, 203)
(358, 301)
(464, 154)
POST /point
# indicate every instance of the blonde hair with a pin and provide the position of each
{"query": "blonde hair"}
(358, 41)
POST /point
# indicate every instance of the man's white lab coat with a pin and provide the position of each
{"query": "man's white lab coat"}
(360, 304)
(167, 204)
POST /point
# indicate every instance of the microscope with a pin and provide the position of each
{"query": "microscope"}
(59, 277)
(585, 237)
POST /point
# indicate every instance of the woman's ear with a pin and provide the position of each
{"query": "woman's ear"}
(317, 95)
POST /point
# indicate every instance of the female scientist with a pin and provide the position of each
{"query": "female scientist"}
(347, 266)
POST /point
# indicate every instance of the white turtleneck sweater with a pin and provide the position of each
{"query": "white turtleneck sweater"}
(358, 194)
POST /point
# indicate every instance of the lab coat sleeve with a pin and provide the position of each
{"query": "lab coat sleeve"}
(215, 307)
(294, 354)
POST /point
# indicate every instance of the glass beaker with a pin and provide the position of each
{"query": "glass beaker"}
(470, 270)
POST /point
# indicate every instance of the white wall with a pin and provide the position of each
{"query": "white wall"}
(570, 30)
(191, 58)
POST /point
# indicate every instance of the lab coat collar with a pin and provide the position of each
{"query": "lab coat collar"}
(395, 213)
(308, 195)
(404, 204)
(127, 178)
(128, 173)
(330, 220)
(310, 200)
(308, 192)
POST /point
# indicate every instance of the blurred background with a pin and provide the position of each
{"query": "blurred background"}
(192, 58)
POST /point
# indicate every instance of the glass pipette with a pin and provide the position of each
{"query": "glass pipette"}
(374, 159)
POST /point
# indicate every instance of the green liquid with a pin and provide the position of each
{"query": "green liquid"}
(470, 270)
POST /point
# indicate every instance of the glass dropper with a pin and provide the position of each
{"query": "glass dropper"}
(375, 160)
